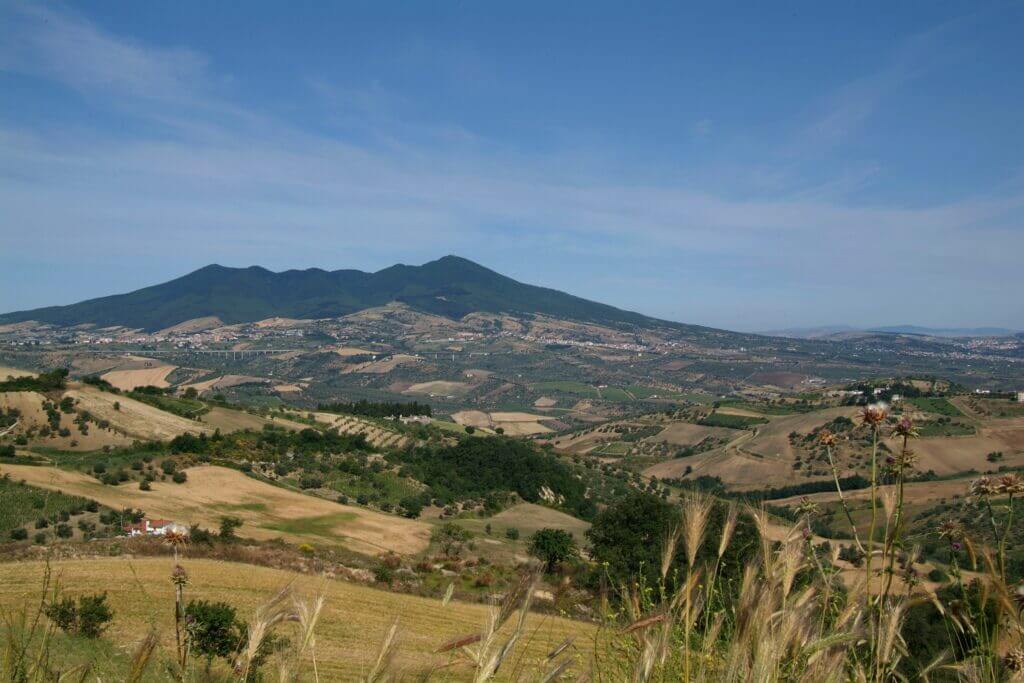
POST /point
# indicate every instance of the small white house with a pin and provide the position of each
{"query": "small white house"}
(1020, 397)
(148, 527)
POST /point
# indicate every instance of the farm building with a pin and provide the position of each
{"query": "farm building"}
(148, 527)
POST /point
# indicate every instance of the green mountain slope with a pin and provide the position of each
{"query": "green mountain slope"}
(450, 286)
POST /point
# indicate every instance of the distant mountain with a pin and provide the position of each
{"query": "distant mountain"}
(810, 332)
(946, 331)
(844, 331)
(450, 287)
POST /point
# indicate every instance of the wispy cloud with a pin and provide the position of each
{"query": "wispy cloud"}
(242, 186)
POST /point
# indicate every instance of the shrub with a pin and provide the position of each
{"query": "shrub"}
(19, 534)
(228, 525)
(88, 617)
(383, 573)
(63, 531)
(512, 533)
(144, 485)
(213, 630)
(169, 466)
(179, 477)
(39, 538)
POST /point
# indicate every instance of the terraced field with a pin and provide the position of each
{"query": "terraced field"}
(378, 436)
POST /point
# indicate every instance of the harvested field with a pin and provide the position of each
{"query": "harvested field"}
(545, 402)
(225, 382)
(914, 492)
(383, 366)
(194, 325)
(227, 420)
(354, 620)
(7, 371)
(133, 418)
(952, 454)
(687, 434)
(30, 404)
(440, 387)
(514, 424)
(128, 379)
(268, 511)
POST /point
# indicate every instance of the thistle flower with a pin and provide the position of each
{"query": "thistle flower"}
(952, 530)
(827, 438)
(179, 577)
(984, 486)
(905, 429)
(176, 535)
(1011, 484)
(807, 506)
(874, 415)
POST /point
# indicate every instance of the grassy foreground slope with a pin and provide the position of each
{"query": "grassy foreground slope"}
(267, 511)
(354, 621)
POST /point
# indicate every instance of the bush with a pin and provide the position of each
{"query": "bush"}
(228, 526)
(89, 617)
(63, 531)
(19, 534)
(512, 533)
(383, 573)
(213, 629)
(39, 538)
(179, 478)
(169, 466)
(144, 485)
(411, 506)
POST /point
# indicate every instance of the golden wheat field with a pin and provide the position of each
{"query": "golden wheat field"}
(354, 621)
(268, 511)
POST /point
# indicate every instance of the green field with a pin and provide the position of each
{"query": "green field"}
(945, 429)
(731, 421)
(568, 387)
(183, 407)
(614, 449)
(21, 504)
(935, 405)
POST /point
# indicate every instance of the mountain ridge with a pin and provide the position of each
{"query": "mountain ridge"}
(451, 286)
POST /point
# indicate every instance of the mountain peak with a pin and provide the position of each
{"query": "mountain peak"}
(451, 286)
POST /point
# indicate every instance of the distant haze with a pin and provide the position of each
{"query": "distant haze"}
(776, 170)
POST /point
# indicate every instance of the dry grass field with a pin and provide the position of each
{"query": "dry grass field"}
(383, 366)
(353, 623)
(7, 371)
(514, 424)
(440, 388)
(268, 511)
(133, 418)
(30, 404)
(528, 518)
(130, 378)
(225, 382)
(753, 459)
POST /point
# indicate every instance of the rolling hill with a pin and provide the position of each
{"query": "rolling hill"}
(451, 286)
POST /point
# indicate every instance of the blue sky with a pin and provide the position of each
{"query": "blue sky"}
(748, 165)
